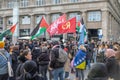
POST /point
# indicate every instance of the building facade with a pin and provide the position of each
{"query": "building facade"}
(99, 15)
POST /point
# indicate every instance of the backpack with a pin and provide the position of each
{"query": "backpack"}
(62, 55)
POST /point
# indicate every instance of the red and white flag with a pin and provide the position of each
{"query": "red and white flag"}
(53, 28)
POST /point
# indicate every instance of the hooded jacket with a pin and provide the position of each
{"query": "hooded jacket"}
(3, 61)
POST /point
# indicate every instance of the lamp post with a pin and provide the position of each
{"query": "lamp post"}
(15, 20)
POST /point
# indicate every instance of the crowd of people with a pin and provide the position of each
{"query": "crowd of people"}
(32, 60)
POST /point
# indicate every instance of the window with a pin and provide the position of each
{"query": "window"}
(40, 2)
(26, 20)
(91, 0)
(94, 16)
(56, 1)
(1, 23)
(10, 4)
(55, 16)
(24, 3)
(38, 18)
(73, 0)
(10, 20)
(24, 32)
(0, 4)
(71, 15)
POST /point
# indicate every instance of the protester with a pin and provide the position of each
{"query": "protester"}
(117, 57)
(15, 53)
(56, 65)
(43, 61)
(30, 71)
(80, 63)
(67, 64)
(4, 58)
(111, 64)
(95, 53)
(101, 52)
(26, 55)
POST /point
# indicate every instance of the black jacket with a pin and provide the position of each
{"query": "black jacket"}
(113, 67)
(20, 69)
(54, 63)
(43, 59)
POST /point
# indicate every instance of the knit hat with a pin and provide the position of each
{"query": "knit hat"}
(2, 44)
(109, 53)
(30, 66)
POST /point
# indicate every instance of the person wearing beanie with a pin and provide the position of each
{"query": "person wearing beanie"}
(30, 71)
(4, 56)
(112, 64)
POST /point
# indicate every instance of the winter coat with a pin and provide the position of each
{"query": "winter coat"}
(54, 63)
(35, 53)
(3, 62)
(67, 65)
(14, 56)
(43, 59)
(20, 69)
(113, 67)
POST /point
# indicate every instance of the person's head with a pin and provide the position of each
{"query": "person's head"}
(16, 47)
(109, 53)
(116, 47)
(27, 54)
(26, 46)
(107, 46)
(82, 48)
(53, 43)
(98, 72)
(44, 49)
(30, 69)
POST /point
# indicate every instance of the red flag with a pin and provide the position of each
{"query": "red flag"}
(43, 23)
(12, 29)
(53, 28)
(67, 27)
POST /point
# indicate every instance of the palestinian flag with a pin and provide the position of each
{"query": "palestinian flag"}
(8, 32)
(82, 26)
(78, 26)
(83, 32)
(40, 29)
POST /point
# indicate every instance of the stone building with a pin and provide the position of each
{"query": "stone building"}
(99, 15)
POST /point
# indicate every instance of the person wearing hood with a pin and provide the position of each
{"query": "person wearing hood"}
(30, 71)
(26, 55)
(4, 57)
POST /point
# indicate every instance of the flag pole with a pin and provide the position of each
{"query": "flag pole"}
(15, 21)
